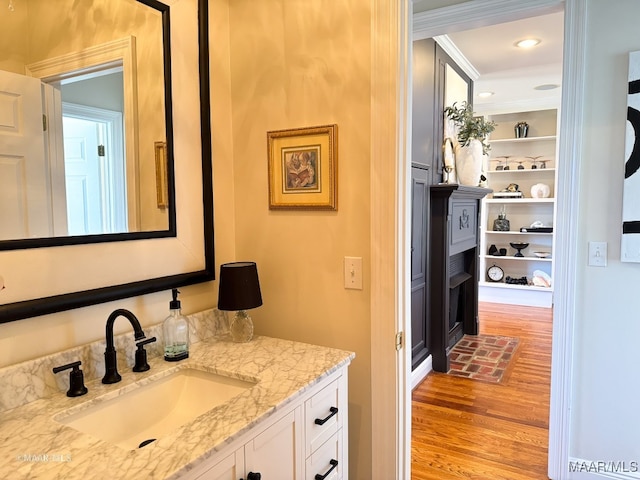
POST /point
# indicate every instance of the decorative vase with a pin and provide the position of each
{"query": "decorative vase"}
(469, 163)
(521, 129)
(501, 224)
(540, 190)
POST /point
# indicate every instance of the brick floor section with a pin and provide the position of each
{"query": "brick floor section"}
(482, 357)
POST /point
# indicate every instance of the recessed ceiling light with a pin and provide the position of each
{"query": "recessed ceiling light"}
(485, 94)
(527, 43)
(546, 86)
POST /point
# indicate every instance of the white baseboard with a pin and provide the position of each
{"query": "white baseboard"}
(421, 372)
(580, 469)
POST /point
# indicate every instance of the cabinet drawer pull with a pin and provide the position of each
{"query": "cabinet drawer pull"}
(334, 464)
(322, 421)
(253, 476)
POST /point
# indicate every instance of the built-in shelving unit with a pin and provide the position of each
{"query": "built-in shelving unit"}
(525, 162)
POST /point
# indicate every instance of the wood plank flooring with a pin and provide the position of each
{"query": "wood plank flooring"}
(476, 430)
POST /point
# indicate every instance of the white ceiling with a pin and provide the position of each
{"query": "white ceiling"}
(511, 72)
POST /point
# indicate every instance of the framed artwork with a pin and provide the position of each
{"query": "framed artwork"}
(162, 190)
(630, 247)
(303, 168)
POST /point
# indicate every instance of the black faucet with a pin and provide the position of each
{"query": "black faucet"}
(111, 374)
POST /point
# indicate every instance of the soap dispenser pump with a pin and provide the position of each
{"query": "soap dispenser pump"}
(176, 332)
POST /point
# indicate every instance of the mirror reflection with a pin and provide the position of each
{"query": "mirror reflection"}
(83, 128)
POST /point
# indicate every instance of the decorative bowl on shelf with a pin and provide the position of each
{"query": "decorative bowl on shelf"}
(542, 254)
(519, 246)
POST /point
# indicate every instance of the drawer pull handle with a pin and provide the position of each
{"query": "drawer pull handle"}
(322, 421)
(253, 476)
(334, 464)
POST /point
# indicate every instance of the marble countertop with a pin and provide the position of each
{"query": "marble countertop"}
(35, 446)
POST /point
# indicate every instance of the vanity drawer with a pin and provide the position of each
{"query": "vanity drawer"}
(327, 460)
(463, 227)
(323, 414)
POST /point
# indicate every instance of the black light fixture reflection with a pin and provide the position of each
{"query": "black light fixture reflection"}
(239, 290)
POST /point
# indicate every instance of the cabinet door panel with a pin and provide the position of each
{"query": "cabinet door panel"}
(276, 453)
(419, 239)
(327, 459)
(229, 468)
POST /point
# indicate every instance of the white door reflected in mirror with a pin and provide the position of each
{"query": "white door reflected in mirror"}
(94, 171)
(23, 172)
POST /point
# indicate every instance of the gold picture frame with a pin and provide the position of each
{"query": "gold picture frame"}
(303, 168)
(162, 190)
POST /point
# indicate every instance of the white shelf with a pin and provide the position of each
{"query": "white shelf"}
(508, 286)
(522, 171)
(522, 140)
(515, 232)
(518, 259)
(523, 201)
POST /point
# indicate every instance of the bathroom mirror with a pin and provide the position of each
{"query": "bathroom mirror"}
(98, 77)
(48, 274)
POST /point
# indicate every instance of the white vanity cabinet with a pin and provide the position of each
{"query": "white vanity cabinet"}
(303, 440)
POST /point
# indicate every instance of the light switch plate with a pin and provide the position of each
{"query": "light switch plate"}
(598, 254)
(353, 273)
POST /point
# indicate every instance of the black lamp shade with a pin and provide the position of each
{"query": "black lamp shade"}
(239, 288)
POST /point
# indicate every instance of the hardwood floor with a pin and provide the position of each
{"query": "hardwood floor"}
(469, 429)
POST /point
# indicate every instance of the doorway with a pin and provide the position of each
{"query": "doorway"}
(463, 16)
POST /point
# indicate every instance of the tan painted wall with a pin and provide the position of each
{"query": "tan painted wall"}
(13, 48)
(300, 64)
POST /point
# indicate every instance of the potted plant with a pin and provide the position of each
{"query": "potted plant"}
(472, 134)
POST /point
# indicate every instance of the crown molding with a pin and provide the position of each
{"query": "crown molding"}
(478, 13)
(458, 57)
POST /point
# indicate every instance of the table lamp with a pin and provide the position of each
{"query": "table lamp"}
(239, 290)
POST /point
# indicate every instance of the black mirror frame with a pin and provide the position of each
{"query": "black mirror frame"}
(58, 303)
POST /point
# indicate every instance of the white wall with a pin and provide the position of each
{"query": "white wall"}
(605, 421)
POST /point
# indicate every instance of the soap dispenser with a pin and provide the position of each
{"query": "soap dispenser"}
(176, 332)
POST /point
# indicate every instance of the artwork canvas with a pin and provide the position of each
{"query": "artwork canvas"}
(630, 248)
(303, 168)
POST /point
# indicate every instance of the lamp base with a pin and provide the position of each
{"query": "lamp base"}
(241, 327)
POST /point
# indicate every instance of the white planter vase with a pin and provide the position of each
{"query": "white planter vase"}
(469, 163)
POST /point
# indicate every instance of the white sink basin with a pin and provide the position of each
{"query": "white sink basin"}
(155, 409)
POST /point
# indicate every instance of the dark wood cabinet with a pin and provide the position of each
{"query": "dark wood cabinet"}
(453, 268)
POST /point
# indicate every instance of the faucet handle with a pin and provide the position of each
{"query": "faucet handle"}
(141, 355)
(76, 379)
